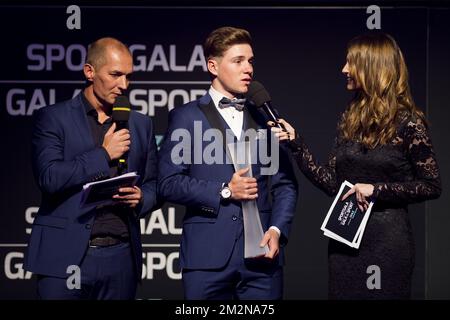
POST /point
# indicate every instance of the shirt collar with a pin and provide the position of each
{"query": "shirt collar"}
(88, 108)
(216, 96)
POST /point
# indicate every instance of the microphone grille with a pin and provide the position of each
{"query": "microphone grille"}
(258, 94)
(121, 109)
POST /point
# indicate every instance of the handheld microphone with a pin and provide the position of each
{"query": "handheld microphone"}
(120, 115)
(261, 98)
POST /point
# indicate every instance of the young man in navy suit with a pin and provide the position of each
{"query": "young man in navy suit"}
(76, 142)
(212, 245)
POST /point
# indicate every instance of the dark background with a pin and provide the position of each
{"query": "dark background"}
(299, 50)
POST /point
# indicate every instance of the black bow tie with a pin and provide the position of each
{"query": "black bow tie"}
(236, 103)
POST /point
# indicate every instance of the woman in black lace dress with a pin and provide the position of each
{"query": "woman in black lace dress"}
(384, 148)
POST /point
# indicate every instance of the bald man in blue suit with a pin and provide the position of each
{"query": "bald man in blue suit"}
(76, 142)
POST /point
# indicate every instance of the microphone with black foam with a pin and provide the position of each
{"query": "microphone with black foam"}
(261, 99)
(120, 115)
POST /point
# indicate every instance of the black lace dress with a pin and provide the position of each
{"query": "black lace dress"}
(402, 172)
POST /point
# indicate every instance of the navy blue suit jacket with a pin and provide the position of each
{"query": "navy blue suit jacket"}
(210, 228)
(65, 158)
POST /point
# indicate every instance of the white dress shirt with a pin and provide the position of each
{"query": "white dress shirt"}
(234, 119)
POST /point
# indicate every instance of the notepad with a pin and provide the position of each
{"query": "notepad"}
(344, 221)
(101, 192)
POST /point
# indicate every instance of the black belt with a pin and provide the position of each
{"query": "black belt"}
(106, 241)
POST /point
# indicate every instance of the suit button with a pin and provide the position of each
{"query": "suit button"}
(88, 226)
(234, 218)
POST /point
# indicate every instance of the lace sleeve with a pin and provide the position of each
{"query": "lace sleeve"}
(322, 176)
(426, 183)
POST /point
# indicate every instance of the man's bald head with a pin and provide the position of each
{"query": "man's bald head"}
(96, 55)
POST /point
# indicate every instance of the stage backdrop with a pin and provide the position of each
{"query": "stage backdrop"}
(299, 56)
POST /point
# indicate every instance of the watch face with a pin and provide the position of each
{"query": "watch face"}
(226, 193)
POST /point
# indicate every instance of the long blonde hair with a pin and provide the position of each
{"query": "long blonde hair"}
(383, 97)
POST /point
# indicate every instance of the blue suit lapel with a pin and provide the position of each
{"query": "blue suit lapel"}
(215, 120)
(249, 121)
(133, 157)
(213, 117)
(78, 115)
